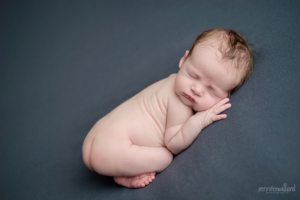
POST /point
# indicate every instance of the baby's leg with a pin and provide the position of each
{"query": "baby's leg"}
(132, 165)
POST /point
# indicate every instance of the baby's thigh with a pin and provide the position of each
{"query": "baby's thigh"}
(117, 156)
(143, 159)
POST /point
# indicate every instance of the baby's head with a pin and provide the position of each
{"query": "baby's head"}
(218, 63)
(233, 51)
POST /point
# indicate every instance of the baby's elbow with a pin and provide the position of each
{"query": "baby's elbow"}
(173, 145)
(172, 148)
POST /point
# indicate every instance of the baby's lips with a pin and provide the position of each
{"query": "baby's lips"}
(189, 97)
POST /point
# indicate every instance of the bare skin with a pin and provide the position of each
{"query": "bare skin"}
(138, 181)
(138, 138)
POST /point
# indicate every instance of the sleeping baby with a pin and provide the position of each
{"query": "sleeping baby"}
(139, 137)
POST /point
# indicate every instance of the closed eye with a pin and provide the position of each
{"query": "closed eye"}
(191, 75)
(212, 92)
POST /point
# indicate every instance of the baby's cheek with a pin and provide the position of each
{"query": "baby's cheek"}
(199, 108)
(212, 103)
(179, 85)
(204, 105)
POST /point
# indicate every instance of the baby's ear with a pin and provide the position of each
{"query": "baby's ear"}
(183, 58)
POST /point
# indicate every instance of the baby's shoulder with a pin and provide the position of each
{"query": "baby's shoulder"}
(166, 85)
(162, 90)
(159, 91)
(170, 81)
(172, 77)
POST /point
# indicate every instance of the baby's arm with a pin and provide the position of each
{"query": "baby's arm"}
(180, 136)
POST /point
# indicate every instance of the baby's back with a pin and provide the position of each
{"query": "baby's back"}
(142, 118)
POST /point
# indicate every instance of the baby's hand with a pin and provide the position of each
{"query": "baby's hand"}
(213, 114)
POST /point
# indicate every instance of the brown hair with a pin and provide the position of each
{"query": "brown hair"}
(233, 47)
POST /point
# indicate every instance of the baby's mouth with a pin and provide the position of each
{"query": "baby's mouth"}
(189, 98)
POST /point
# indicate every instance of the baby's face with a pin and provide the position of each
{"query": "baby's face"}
(203, 80)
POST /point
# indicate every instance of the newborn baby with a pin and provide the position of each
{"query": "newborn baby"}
(138, 138)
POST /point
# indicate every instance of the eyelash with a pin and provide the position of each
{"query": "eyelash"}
(211, 92)
(190, 74)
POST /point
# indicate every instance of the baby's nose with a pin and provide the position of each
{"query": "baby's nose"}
(198, 91)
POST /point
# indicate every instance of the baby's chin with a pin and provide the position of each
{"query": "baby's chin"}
(195, 109)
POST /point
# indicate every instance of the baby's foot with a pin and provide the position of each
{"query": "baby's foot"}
(135, 181)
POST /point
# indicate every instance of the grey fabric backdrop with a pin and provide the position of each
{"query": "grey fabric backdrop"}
(65, 64)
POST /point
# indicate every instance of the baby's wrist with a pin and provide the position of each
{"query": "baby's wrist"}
(198, 122)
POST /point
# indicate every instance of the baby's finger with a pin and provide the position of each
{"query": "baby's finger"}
(221, 108)
(219, 117)
(222, 102)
